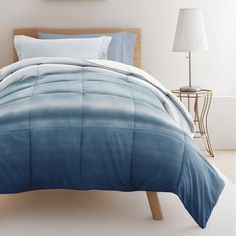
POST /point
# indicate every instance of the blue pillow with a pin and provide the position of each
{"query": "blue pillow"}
(121, 48)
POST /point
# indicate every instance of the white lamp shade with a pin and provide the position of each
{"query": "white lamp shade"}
(190, 32)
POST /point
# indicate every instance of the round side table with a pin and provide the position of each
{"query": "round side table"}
(201, 101)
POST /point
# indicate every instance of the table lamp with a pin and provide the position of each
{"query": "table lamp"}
(190, 37)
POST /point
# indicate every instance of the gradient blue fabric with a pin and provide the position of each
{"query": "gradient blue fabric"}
(90, 130)
(121, 48)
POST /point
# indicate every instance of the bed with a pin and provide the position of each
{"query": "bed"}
(99, 125)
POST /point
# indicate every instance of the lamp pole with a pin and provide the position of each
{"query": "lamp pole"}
(190, 88)
(190, 68)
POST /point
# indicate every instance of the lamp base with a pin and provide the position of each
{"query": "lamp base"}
(190, 89)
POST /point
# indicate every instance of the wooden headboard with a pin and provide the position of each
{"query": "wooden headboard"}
(32, 32)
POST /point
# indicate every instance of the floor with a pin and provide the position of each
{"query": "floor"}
(64, 213)
(226, 162)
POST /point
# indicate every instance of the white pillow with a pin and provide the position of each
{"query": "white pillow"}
(85, 48)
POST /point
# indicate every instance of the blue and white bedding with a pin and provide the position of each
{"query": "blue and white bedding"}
(69, 124)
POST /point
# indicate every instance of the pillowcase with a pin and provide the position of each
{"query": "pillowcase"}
(121, 48)
(92, 48)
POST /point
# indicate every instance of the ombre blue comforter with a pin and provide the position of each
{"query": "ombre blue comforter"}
(95, 128)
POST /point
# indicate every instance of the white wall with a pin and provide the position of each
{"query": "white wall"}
(157, 18)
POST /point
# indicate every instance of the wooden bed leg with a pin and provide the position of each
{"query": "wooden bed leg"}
(154, 205)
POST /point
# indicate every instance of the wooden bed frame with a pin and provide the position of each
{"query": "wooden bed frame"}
(32, 32)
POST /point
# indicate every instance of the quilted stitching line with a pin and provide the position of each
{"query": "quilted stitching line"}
(133, 136)
(81, 126)
(30, 136)
(182, 161)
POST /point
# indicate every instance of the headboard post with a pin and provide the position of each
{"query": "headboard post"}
(32, 32)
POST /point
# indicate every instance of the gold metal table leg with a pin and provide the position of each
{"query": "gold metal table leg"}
(204, 123)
